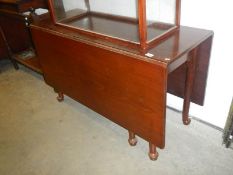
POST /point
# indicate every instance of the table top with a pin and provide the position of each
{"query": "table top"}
(165, 51)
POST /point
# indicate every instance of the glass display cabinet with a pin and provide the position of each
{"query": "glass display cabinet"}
(135, 23)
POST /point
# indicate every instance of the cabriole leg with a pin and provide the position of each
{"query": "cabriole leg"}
(185, 114)
(153, 154)
(132, 139)
(190, 75)
(60, 96)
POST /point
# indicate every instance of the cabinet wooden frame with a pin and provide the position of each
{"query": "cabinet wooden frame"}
(143, 43)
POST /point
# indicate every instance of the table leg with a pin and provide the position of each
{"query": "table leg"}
(60, 96)
(153, 154)
(132, 139)
(190, 75)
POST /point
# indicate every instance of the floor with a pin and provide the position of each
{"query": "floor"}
(40, 136)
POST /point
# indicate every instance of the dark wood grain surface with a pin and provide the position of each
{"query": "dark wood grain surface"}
(172, 51)
(14, 24)
(126, 85)
(18, 40)
(128, 91)
(176, 81)
(173, 47)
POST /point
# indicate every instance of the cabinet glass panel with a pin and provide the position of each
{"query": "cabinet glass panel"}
(160, 16)
(114, 18)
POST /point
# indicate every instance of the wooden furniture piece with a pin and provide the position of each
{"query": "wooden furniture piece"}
(124, 81)
(14, 23)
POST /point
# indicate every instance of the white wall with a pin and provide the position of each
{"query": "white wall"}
(73, 4)
(217, 16)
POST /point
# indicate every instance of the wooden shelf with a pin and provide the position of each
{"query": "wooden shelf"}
(29, 59)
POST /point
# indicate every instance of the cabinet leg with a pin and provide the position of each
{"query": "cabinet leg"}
(60, 97)
(153, 154)
(9, 52)
(190, 75)
(14, 63)
(132, 139)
